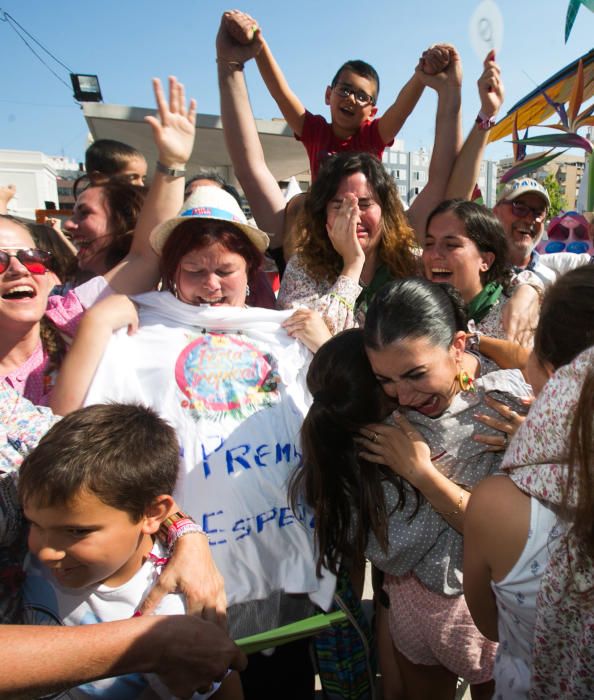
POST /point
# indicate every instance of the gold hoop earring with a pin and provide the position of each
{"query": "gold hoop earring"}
(174, 290)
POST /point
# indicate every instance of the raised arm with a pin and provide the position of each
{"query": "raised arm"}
(467, 166)
(173, 133)
(448, 137)
(241, 137)
(392, 120)
(433, 61)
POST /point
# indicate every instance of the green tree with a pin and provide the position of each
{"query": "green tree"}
(558, 201)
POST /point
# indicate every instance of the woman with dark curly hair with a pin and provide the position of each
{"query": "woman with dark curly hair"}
(355, 238)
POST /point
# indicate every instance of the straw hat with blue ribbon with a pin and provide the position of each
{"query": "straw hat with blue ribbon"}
(210, 204)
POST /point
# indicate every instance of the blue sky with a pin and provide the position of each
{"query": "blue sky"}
(126, 42)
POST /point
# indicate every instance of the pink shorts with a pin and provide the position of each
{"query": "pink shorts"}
(437, 630)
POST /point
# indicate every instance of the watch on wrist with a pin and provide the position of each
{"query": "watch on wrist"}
(172, 172)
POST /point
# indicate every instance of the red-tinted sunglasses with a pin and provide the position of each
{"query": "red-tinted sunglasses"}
(35, 260)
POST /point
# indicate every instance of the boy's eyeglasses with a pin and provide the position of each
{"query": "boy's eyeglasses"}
(522, 210)
(346, 90)
(35, 260)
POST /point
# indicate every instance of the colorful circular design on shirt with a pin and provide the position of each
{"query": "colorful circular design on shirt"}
(225, 373)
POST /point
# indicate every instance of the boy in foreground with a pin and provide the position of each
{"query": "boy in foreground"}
(96, 491)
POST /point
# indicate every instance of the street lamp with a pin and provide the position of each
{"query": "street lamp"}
(86, 87)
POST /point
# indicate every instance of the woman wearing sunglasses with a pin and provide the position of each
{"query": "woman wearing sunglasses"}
(25, 283)
(33, 324)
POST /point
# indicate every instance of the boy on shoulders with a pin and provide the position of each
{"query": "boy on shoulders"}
(351, 96)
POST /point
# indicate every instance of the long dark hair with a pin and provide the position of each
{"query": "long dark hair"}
(344, 490)
(124, 202)
(566, 324)
(581, 457)
(414, 308)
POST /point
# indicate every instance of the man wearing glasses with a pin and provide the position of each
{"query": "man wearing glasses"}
(522, 208)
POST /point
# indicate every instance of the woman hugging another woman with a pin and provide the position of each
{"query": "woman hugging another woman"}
(397, 490)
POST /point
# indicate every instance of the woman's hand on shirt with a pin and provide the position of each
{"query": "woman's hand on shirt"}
(175, 129)
(112, 313)
(309, 327)
(192, 572)
(399, 447)
(508, 424)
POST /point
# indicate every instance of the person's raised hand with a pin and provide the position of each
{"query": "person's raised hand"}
(239, 38)
(490, 87)
(440, 67)
(435, 59)
(175, 129)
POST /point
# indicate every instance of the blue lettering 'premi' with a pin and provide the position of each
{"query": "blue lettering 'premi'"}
(247, 456)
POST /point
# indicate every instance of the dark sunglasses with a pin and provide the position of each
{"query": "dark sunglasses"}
(522, 210)
(35, 260)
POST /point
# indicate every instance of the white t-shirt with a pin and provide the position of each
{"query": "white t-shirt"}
(551, 266)
(46, 602)
(232, 383)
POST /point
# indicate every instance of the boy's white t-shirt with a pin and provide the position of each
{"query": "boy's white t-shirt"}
(231, 381)
(46, 602)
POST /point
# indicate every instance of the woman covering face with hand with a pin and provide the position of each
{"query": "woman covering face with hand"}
(355, 239)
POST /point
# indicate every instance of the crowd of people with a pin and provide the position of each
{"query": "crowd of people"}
(188, 459)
